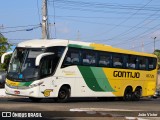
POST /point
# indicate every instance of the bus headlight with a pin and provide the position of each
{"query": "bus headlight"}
(37, 84)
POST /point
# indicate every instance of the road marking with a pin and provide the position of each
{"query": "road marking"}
(135, 118)
(100, 109)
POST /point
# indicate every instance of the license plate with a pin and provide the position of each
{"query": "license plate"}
(16, 92)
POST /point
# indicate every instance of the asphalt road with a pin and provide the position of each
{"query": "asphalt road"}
(93, 108)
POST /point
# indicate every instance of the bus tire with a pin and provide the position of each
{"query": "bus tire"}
(35, 99)
(63, 95)
(128, 94)
(137, 94)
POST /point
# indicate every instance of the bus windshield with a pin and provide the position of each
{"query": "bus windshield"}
(22, 65)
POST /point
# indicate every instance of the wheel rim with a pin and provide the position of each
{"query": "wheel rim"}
(128, 95)
(137, 94)
(62, 94)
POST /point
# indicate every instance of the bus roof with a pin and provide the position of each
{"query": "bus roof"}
(49, 43)
(38, 43)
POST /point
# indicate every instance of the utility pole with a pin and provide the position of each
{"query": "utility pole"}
(45, 29)
(1, 27)
(78, 36)
(154, 43)
(142, 46)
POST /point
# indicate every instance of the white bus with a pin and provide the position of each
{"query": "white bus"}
(61, 69)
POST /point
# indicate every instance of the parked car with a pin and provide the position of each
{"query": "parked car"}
(2, 79)
(157, 94)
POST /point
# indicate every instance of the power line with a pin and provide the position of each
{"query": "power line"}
(135, 26)
(21, 30)
(140, 8)
(96, 17)
(101, 11)
(99, 23)
(124, 42)
(144, 44)
(21, 26)
(103, 5)
(128, 18)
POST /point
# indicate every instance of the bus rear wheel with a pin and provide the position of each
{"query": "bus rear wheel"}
(63, 95)
(137, 94)
(128, 94)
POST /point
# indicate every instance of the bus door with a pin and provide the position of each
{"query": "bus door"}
(47, 69)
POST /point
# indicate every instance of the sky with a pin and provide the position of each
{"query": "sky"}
(127, 24)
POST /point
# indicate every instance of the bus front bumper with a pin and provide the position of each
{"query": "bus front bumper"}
(31, 92)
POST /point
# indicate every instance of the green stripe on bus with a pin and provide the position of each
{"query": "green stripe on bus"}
(89, 78)
(80, 46)
(102, 79)
(28, 83)
(25, 83)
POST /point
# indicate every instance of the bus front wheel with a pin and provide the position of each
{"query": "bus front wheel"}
(63, 95)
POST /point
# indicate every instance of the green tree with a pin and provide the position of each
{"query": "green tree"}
(4, 46)
(157, 53)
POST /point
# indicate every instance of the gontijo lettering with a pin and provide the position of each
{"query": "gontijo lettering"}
(126, 74)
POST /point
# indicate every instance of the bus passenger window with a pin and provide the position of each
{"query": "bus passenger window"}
(104, 60)
(132, 61)
(68, 60)
(89, 58)
(117, 61)
(142, 63)
(72, 57)
(151, 63)
(75, 58)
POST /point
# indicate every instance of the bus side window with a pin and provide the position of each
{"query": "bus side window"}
(142, 63)
(117, 61)
(152, 63)
(132, 61)
(104, 59)
(72, 57)
(89, 57)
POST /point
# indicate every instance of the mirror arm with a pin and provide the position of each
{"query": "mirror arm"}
(3, 56)
(39, 57)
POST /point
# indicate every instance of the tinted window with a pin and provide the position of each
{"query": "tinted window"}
(58, 50)
(104, 59)
(131, 62)
(142, 63)
(152, 63)
(117, 61)
(89, 57)
(47, 66)
(72, 57)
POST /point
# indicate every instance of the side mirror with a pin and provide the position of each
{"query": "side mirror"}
(39, 57)
(3, 56)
